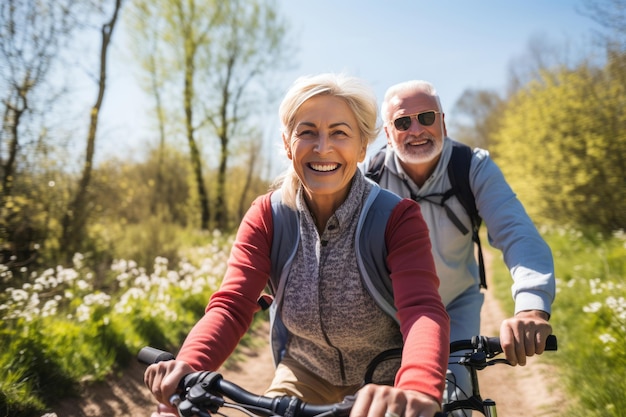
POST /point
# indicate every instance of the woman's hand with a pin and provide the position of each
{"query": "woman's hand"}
(385, 401)
(162, 379)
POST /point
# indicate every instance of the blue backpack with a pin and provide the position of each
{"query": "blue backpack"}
(371, 253)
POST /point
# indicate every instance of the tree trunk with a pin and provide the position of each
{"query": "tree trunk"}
(75, 218)
(255, 150)
(157, 195)
(196, 160)
(12, 120)
(221, 218)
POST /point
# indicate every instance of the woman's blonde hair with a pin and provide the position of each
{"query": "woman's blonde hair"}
(358, 96)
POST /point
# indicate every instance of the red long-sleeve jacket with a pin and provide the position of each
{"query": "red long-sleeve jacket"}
(423, 320)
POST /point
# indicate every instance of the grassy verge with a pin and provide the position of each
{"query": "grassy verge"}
(589, 318)
(61, 329)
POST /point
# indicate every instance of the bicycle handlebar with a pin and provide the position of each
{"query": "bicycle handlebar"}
(202, 392)
(149, 355)
(491, 345)
(207, 388)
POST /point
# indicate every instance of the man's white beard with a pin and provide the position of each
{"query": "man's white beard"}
(408, 155)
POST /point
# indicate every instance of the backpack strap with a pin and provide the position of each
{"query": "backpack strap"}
(376, 165)
(284, 242)
(284, 246)
(371, 250)
(458, 173)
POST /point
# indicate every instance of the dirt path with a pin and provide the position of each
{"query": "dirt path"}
(521, 391)
(518, 391)
(125, 395)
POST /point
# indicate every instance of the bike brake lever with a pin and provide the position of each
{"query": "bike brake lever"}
(499, 360)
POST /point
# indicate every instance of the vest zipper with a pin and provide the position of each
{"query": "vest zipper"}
(342, 368)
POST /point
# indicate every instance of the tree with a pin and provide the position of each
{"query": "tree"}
(562, 147)
(563, 137)
(29, 40)
(252, 43)
(147, 47)
(75, 218)
(611, 15)
(184, 38)
(225, 50)
(32, 35)
(482, 111)
(253, 158)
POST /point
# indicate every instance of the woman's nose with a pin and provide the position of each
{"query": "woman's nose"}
(323, 143)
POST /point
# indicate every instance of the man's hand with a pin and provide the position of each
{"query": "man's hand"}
(524, 335)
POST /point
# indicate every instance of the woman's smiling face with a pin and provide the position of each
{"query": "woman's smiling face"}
(325, 146)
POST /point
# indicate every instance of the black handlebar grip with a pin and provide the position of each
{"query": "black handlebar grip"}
(493, 344)
(149, 355)
(551, 343)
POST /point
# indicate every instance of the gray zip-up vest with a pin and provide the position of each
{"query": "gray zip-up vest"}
(371, 253)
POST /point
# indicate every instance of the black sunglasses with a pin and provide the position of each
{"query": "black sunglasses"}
(426, 118)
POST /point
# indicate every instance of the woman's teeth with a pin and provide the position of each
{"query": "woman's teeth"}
(324, 167)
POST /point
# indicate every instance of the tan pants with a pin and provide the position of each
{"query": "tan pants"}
(291, 378)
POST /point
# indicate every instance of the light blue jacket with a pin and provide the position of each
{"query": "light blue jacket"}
(526, 254)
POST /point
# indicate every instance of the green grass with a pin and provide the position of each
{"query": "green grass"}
(589, 319)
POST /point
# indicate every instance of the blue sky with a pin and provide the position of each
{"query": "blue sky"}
(455, 44)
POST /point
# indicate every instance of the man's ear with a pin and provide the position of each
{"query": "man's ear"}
(387, 135)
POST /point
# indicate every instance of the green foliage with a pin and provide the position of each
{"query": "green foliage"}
(16, 393)
(128, 192)
(562, 146)
(61, 330)
(152, 239)
(591, 313)
(29, 218)
(589, 319)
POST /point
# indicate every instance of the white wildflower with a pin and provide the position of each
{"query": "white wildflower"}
(83, 312)
(592, 307)
(607, 338)
(18, 295)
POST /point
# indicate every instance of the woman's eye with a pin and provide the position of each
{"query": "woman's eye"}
(340, 133)
(305, 134)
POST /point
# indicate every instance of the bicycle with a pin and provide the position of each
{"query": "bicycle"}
(203, 393)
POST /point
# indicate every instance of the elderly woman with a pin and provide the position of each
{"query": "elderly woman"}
(333, 321)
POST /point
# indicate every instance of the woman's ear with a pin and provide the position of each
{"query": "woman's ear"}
(363, 153)
(287, 145)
